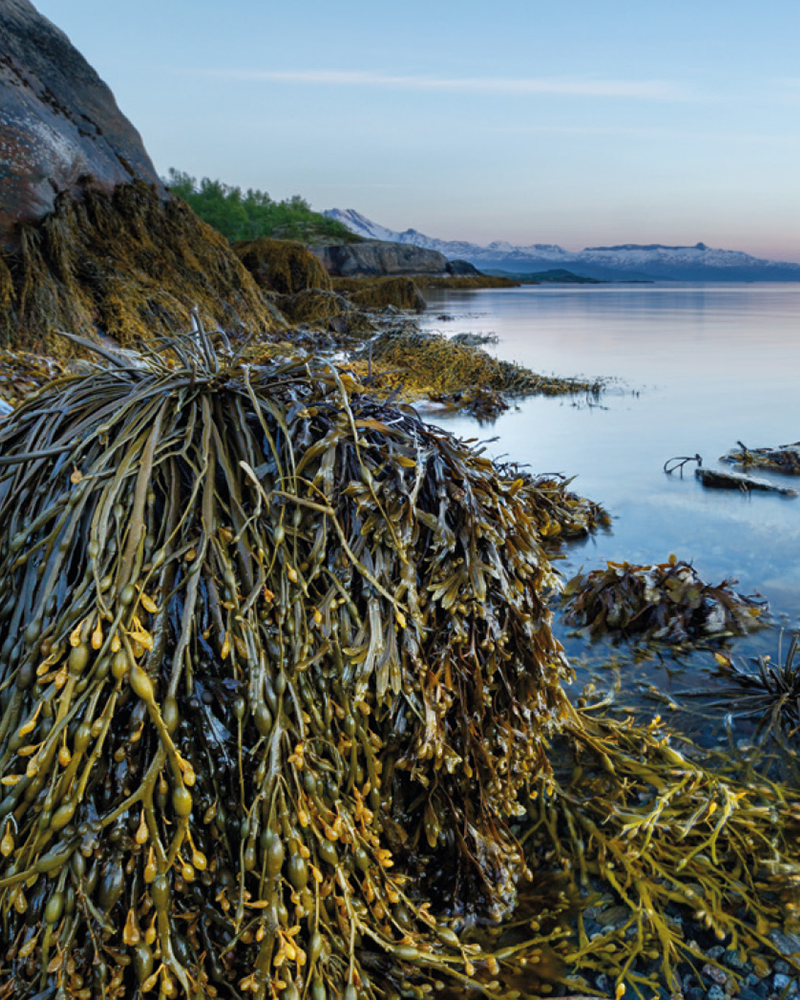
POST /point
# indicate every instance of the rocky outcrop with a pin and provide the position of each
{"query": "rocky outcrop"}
(463, 269)
(60, 127)
(373, 258)
(282, 266)
(90, 240)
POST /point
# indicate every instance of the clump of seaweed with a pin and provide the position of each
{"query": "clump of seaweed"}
(670, 848)
(128, 264)
(417, 363)
(283, 266)
(767, 696)
(22, 373)
(785, 459)
(666, 602)
(272, 655)
(400, 292)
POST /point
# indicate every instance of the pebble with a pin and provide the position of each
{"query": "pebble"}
(748, 993)
(732, 959)
(782, 982)
(715, 974)
(787, 944)
(781, 966)
(715, 993)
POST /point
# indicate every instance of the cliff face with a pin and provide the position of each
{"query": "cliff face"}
(375, 257)
(59, 123)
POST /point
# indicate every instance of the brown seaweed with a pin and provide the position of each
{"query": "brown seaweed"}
(666, 602)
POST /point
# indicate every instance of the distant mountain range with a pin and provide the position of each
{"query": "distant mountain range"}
(627, 262)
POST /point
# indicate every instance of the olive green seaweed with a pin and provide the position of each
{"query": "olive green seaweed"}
(282, 714)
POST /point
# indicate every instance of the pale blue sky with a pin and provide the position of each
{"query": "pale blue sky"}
(580, 123)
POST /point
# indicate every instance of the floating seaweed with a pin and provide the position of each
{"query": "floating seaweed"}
(765, 693)
(666, 602)
(271, 655)
(785, 458)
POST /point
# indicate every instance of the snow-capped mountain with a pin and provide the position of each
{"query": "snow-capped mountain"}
(627, 261)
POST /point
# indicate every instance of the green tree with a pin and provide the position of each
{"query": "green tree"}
(254, 214)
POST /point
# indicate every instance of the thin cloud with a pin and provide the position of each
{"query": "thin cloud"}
(663, 90)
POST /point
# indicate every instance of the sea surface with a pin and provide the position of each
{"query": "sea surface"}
(694, 368)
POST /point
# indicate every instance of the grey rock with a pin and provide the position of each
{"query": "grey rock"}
(787, 944)
(374, 258)
(781, 982)
(748, 993)
(781, 966)
(715, 993)
(462, 268)
(716, 951)
(715, 974)
(732, 959)
(60, 127)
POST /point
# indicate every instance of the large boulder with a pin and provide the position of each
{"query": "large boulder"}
(59, 123)
(90, 240)
(378, 257)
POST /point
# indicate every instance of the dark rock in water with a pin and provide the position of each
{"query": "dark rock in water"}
(714, 479)
(376, 257)
(463, 269)
(60, 126)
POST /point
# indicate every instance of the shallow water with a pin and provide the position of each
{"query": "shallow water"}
(696, 368)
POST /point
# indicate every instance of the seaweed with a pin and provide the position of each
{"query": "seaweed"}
(785, 459)
(666, 602)
(272, 655)
(128, 264)
(283, 266)
(417, 363)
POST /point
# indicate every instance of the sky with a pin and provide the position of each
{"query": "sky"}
(581, 124)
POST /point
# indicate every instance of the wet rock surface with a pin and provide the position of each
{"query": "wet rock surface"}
(60, 126)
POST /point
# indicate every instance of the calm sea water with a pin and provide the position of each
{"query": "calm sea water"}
(696, 368)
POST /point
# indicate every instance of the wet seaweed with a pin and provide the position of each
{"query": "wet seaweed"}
(785, 459)
(128, 264)
(666, 602)
(418, 363)
(272, 654)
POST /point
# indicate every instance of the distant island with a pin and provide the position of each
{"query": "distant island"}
(624, 262)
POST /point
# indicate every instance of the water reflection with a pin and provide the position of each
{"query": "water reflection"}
(699, 368)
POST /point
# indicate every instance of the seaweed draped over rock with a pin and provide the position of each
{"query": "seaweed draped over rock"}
(126, 263)
(283, 266)
(273, 659)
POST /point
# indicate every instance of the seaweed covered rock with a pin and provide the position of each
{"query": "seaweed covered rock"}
(276, 669)
(378, 293)
(313, 306)
(429, 364)
(283, 266)
(667, 602)
(126, 264)
(59, 124)
(785, 458)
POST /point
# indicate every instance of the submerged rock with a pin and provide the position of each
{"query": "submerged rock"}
(717, 480)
